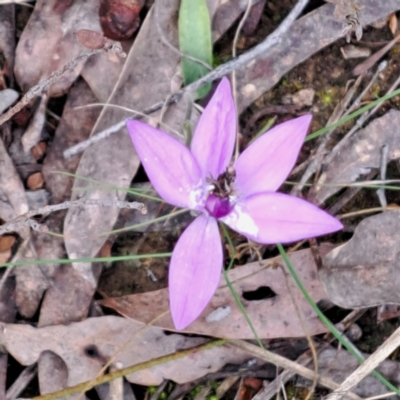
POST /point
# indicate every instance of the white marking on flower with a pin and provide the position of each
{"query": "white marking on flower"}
(241, 221)
(198, 197)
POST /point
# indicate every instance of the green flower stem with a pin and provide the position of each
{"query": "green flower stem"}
(353, 115)
(329, 324)
(234, 294)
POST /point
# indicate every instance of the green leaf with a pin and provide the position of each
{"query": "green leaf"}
(195, 41)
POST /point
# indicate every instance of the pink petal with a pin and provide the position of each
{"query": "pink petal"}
(195, 270)
(267, 162)
(271, 217)
(214, 138)
(170, 166)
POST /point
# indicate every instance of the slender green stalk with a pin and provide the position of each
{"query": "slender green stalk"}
(328, 323)
(86, 260)
(231, 288)
(353, 115)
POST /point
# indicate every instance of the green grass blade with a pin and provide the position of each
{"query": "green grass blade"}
(353, 115)
(85, 260)
(328, 323)
(232, 290)
(195, 41)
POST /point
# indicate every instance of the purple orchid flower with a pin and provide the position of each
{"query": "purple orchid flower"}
(243, 195)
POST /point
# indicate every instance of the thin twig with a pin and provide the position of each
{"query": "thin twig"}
(42, 86)
(369, 62)
(234, 54)
(368, 365)
(383, 167)
(21, 382)
(323, 141)
(26, 219)
(359, 123)
(287, 364)
(238, 62)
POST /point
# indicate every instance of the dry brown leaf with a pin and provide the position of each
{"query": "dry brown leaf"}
(75, 126)
(360, 154)
(7, 98)
(7, 38)
(12, 193)
(364, 272)
(272, 317)
(59, 305)
(305, 37)
(12, 204)
(48, 42)
(254, 17)
(5, 256)
(86, 346)
(90, 39)
(6, 242)
(393, 23)
(8, 310)
(339, 364)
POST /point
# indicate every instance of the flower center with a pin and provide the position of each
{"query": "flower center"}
(219, 203)
(218, 207)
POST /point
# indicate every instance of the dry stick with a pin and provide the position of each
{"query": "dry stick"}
(383, 167)
(305, 358)
(381, 67)
(287, 364)
(85, 386)
(26, 219)
(222, 70)
(368, 365)
(381, 396)
(367, 211)
(42, 86)
(234, 54)
(21, 382)
(347, 196)
(369, 62)
(323, 141)
(364, 117)
(315, 163)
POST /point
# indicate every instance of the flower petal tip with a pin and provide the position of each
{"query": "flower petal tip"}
(335, 225)
(180, 323)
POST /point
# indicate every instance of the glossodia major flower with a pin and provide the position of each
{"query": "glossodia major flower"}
(242, 195)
